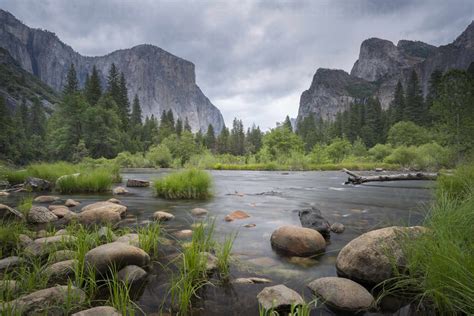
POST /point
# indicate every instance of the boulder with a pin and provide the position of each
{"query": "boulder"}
(132, 275)
(185, 233)
(37, 184)
(60, 272)
(118, 254)
(370, 258)
(99, 311)
(137, 183)
(162, 216)
(41, 215)
(4, 194)
(7, 212)
(46, 199)
(48, 301)
(61, 232)
(251, 280)
(61, 212)
(130, 239)
(199, 211)
(120, 209)
(114, 200)
(10, 287)
(24, 240)
(236, 215)
(337, 228)
(61, 255)
(298, 241)
(342, 294)
(71, 203)
(279, 298)
(106, 234)
(52, 207)
(312, 218)
(101, 213)
(119, 191)
(10, 263)
(43, 246)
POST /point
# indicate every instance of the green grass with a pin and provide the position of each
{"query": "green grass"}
(98, 180)
(119, 294)
(310, 167)
(187, 184)
(9, 237)
(148, 237)
(223, 256)
(25, 205)
(440, 263)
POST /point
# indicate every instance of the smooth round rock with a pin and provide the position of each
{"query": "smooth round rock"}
(60, 272)
(98, 206)
(342, 294)
(236, 215)
(101, 213)
(41, 215)
(162, 216)
(279, 297)
(199, 211)
(337, 228)
(114, 200)
(370, 258)
(99, 311)
(61, 255)
(130, 239)
(61, 212)
(132, 274)
(46, 199)
(116, 254)
(71, 203)
(298, 241)
(119, 191)
(185, 233)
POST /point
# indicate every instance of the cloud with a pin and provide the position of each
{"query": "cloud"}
(253, 58)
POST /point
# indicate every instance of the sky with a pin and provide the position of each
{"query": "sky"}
(253, 58)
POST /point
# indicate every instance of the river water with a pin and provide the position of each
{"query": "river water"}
(271, 198)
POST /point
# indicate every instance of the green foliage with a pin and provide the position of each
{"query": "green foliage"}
(127, 160)
(223, 255)
(281, 142)
(403, 155)
(182, 147)
(338, 150)
(187, 184)
(380, 151)
(457, 186)
(97, 180)
(148, 238)
(159, 156)
(408, 134)
(428, 156)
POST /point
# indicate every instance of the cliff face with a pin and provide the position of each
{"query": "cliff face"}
(380, 66)
(161, 80)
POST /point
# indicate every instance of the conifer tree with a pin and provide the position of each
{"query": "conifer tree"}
(397, 107)
(414, 108)
(287, 124)
(210, 140)
(179, 127)
(72, 85)
(37, 119)
(223, 141)
(93, 88)
(122, 102)
(237, 138)
(136, 117)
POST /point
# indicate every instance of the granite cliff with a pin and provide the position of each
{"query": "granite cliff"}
(161, 80)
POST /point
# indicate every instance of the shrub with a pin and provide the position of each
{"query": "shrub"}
(404, 156)
(188, 184)
(338, 150)
(380, 151)
(128, 160)
(457, 186)
(408, 134)
(159, 156)
(433, 156)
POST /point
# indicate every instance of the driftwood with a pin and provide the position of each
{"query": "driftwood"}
(358, 179)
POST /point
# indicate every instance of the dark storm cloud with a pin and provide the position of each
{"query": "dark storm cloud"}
(253, 58)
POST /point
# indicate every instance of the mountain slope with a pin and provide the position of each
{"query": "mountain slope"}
(380, 66)
(161, 80)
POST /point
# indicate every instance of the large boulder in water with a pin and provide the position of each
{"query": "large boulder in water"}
(372, 257)
(101, 213)
(298, 241)
(342, 294)
(312, 218)
(37, 184)
(117, 254)
(279, 298)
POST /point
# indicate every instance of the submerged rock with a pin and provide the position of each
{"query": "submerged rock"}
(137, 183)
(41, 215)
(337, 228)
(48, 301)
(298, 241)
(251, 280)
(71, 203)
(185, 233)
(236, 215)
(162, 216)
(199, 211)
(37, 184)
(46, 199)
(342, 294)
(119, 191)
(312, 218)
(279, 298)
(99, 311)
(116, 254)
(370, 258)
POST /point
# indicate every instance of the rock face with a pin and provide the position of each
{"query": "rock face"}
(380, 66)
(298, 241)
(161, 80)
(370, 258)
(342, 294)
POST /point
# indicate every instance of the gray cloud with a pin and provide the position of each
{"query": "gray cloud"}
(253, 58)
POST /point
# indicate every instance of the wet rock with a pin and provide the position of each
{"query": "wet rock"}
(7, 212)
(251, 280)
(106, 234)
(264, 262)
(312, 218)
(199, 211)
(61, 255)
(132, 275)
(162, 216)
(46, 199)
(4, 194)
(236, 215)
(43, 246)
(9, 287)
(101, 212)
(60, 272)
(10, 263)
(61, 212)
(37, 184)
(342, 294)
(211, 261)
(40, 215)
(298, 241)
(127, 223)
(133, 183)
(119, 191)
(24, 240)
(48, 301)
(337, 228)
(114, 200)
(118, 254)
(279, 298)
(185, 233)
(130, 239)
(303, 261)
(99, 311)
(249, 225)
(71, 203)
(370, 258)
(120, 209)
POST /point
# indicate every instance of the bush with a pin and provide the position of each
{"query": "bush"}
(159, 156)
(127, 160)
(380, 151)
(404, 156)
(338, 150)
(457, 186)
(188, 184)
(408, 134)
(433, 156)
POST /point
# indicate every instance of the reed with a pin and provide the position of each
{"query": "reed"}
(187, 184)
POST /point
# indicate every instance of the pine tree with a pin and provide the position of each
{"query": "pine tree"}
(37, 119)
(287, 124)
(136, 117)
(72, 85)
(414, 108)
(170, 118)
(113, 83)
(237, 138)
(397, 107)
(210, 139)
(93, 88)
(179, 127)
(123, 103)
(223, 141)
(373, 131)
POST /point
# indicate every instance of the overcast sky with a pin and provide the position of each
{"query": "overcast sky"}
(253, 58)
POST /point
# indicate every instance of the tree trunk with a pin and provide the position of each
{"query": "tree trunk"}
(358, 179)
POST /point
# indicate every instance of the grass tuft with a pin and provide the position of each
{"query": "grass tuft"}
(187, 184)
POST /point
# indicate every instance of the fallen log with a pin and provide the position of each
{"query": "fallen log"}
(358, 179)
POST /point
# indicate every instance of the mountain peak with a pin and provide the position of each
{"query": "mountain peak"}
(466, 39)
